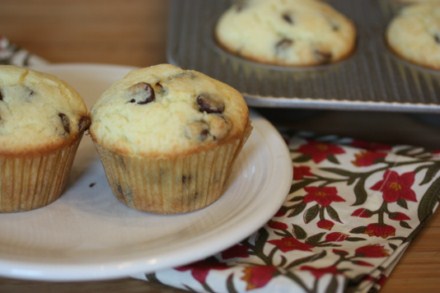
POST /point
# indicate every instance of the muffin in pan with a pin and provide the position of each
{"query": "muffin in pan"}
(168, 137)
(286, 32)
(42, 120)
(414, 1)
(414, 34)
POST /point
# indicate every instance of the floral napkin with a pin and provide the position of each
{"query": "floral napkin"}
(12, 54)
(352, 210)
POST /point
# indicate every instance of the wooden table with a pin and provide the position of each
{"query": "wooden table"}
(134, 33)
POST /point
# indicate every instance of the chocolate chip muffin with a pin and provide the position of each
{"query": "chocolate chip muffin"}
(286, 32)
(414, 34)
(414, 1)
(167, 138)
(42, 120)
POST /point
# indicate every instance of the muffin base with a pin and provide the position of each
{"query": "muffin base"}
(34, 181)
(174, 185)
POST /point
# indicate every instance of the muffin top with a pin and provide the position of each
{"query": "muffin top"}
(286, 32)
(164, 110)
(38, 112)
(414, 34)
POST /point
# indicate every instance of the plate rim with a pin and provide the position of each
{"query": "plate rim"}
(280, 155)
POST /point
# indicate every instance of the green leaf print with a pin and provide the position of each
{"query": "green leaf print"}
(311, 214)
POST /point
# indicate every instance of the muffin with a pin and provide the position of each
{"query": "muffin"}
(168, 137)
(286, 32)
(42, 120)
(414, 1)
(414, 34)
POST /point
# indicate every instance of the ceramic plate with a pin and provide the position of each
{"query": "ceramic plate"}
(88, 235)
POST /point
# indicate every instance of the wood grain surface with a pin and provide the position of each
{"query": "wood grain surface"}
(133, 32)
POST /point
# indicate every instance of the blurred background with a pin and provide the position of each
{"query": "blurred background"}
(129, 32)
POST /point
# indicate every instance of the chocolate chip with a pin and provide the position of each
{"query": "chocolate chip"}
(92, 184)
(186, 179)
(65, 121)
(83, 123)
(119, 189)
(210, 104)
(1, 96)
(283, 44)
(287, 18)
(322, 57)
(197, 130)
(437, 38)
(334, 25)
(27, 92)
(204, 134)
(240, 5)
(159, 88)
(143, 93)
(158, 85)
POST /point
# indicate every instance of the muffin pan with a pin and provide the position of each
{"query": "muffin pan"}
(372, 78)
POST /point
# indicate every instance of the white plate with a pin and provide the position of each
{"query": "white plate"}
(88, 235)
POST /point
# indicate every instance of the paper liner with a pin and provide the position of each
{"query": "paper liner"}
(30, 182)
(173, 185)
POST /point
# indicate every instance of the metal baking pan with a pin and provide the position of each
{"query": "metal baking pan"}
(372, 78)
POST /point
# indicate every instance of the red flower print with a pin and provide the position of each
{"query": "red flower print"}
(394, 186)
(380, 230)
(371, 146)
(375, 250)
(281, 212)
(319, 272)
(399, 217)
(335, 237)
(382, 280)
(325, 224)
(319, 151)
(300, 172)
(324, 196)
(277, 225)
(199, 270)
(362, 213)
(367, 158)
(258, 276)
(237, 250)
(290, 243)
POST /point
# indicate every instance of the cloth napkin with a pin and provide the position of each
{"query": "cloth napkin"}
(352, 210)
(12, 54)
